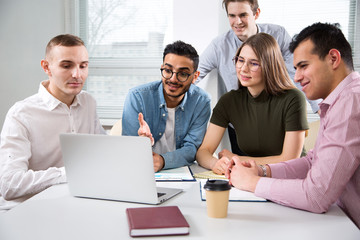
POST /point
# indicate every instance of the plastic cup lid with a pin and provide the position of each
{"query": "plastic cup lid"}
(217, 185)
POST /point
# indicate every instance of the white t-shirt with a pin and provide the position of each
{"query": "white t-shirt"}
(167, 142)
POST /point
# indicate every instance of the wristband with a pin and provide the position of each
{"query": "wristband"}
(264, 170)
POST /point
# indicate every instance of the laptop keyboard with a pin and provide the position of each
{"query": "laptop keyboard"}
(160, 194)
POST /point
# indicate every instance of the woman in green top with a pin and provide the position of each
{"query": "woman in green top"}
(267, 112)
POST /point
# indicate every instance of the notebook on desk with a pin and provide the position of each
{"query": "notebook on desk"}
(112, 167)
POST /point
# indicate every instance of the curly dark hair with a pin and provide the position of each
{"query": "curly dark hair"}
(182, 49)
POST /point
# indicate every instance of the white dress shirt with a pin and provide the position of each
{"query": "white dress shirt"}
(30, 155)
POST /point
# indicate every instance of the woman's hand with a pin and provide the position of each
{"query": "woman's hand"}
(221, 166)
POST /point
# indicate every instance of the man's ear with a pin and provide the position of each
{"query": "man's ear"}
(257, 13)
(196, 75)
(45, 66)
(335, 57)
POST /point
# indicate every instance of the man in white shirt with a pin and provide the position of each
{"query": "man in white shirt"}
(30, 155)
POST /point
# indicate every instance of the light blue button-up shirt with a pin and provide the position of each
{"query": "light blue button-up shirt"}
(191, 118)
(219, 54)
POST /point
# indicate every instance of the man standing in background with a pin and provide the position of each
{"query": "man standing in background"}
(242, 15)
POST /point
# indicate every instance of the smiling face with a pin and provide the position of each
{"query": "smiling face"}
(314, 74)
(250, 79)
(242, 19)
(67, 68)
(174, 90)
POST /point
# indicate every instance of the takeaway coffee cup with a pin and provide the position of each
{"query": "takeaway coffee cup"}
(217, 198)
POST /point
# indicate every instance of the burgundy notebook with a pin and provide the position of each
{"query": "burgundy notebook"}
(156, 221)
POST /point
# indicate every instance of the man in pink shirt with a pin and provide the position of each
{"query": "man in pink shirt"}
(330, 172)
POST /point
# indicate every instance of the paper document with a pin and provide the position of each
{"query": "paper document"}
(209, 175)
(175, 174)
(236, 195)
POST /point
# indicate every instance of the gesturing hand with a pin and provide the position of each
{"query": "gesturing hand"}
(144, 129)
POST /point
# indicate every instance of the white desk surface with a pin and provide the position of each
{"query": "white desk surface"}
(55, 214)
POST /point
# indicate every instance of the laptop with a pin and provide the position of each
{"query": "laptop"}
(112, 167)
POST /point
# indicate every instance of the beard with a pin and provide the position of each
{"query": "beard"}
(182, 92)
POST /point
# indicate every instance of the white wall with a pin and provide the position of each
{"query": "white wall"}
(27, 25)
(198, 23)
(25, 29)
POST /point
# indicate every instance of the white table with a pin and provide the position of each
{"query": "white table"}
(55, 214)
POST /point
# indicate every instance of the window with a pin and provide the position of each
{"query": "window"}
(125, 41)
(125, 38)
(296, 15)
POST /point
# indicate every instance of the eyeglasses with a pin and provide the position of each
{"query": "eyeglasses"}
(240, 61)
(181, 76)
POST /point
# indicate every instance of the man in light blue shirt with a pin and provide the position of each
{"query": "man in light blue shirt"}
(219, 54)
(172, 112)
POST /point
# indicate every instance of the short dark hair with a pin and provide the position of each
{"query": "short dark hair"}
(183, 49)
(325, 36)
(253, 4)
(67, 40)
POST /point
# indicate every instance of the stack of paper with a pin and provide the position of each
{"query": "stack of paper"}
(175, 174)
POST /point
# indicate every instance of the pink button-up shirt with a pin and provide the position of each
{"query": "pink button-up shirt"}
(330, 172)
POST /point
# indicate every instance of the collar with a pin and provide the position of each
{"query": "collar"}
(258, 28)
(329, 100)
(50, 101)
(262, 97)
(162, 98)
